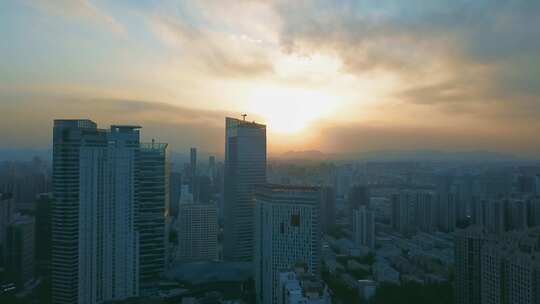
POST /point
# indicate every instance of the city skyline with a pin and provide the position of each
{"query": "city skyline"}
(270, 151)
(342, 77)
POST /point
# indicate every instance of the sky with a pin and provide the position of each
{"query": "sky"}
(336, 76)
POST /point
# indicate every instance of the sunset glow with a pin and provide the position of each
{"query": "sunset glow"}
(288, 110)
(322, 75)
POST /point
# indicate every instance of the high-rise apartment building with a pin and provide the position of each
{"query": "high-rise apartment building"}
(245, 169)
(468, 246)
(287, 233)
(426, 211)
(358, 196)
(364, 227)
(423, 210)
(99, 211)
(328, 209)
(7, 211)
(20, 251)
(447, 203)
(43, 218)
(193, 173)
(403, 212)
(498, 269)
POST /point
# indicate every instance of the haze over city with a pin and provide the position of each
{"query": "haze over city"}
(333, 76)
(269, 152)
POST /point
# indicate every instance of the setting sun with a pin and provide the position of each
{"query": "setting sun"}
(289, 110)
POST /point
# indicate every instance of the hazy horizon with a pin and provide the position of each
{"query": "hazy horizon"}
(338, 77)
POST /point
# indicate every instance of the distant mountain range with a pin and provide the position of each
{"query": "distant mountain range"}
(405, 155)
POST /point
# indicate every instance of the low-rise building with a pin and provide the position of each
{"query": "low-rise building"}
(300, 287)
(384, 273)
(366, 289)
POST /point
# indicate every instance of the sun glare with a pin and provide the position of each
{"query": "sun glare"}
(289, 110)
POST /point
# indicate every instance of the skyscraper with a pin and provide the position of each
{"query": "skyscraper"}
(94, 246)
(364, 227)
(153, 208)
(287, 233)
(99, 211)
(245, 168)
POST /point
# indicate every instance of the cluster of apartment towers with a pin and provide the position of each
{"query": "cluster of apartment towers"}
(111, 213)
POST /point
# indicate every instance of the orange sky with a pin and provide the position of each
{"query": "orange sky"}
(339, 77)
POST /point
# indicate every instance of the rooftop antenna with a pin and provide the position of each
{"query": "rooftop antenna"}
(244, 116)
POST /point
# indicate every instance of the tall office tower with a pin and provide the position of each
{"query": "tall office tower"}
(469, 242)
(403, 212)
(537, 184)
(175, 181)
(364, 227)
(7, 210)
(286, 233)
(197, 232)
(426, 208)
(447, 212)
(328, 209)
(245, 169)
(153, 208)
(20, 254)
(95, 243)
(43, 210)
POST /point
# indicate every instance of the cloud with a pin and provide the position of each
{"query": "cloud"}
(80, 10)
(220, 54)
(486, 42)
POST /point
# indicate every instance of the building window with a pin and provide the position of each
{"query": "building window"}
(295, 220)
